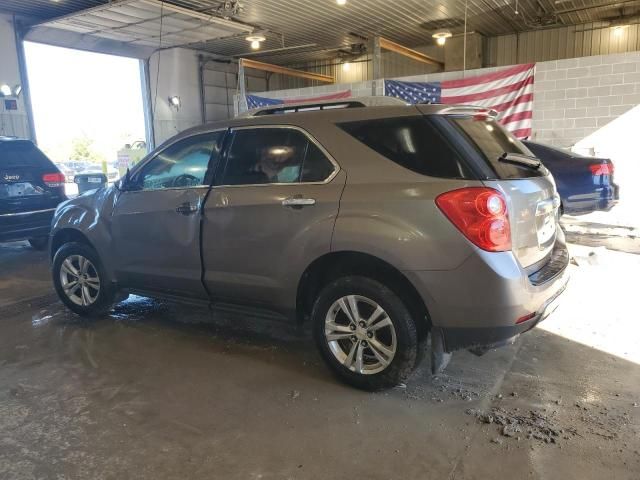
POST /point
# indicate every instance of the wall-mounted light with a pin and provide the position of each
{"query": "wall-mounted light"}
(441, 36)
(5, 90)
(346, 66)
(17, 90)
(174, 101)
(256, 39)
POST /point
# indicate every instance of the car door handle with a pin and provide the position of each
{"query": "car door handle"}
(187, 209)
(296, 202)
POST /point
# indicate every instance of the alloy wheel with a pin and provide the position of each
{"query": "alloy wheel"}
(360, 334)
(80, 280)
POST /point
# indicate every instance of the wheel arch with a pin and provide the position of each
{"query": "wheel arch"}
(67, 235)
(333, 265)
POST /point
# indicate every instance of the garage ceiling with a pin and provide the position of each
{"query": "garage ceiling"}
(327, 25)
(148, 23)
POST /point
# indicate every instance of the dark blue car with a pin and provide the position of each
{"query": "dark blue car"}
(585, 184)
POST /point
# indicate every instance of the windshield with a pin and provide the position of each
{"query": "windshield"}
(492, 142)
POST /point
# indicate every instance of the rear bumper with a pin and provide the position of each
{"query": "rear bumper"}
(480, 302)
(23, 225)
(493, 337)
(601, 199)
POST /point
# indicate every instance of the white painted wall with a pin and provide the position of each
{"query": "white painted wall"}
(12, 122)
(176, 71)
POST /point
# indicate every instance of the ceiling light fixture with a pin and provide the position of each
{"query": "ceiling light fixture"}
(341, 2)
(5, 90)
(256, 39)
(441, 36)
(619, 30)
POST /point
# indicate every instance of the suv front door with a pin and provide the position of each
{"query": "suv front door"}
(270, 213)
(156, 220)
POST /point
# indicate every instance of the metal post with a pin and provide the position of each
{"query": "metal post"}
(464, 40)
(377, 65)
(24, 80)
(145, 81)
(242, 102)
(202, 62)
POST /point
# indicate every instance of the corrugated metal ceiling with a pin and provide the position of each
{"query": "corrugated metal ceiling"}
(324, 23)
(141, 21)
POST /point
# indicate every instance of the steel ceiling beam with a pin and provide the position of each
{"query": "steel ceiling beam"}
(386, 44)
(268, 67)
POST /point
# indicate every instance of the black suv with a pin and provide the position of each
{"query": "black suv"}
(31, 187)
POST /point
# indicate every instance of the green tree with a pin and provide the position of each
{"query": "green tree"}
(82, 150)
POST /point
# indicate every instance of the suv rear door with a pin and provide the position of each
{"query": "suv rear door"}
(28, 181)
(270, 213)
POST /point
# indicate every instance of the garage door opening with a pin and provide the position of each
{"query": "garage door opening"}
(88, 109)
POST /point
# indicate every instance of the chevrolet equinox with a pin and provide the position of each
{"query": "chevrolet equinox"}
(382, 226)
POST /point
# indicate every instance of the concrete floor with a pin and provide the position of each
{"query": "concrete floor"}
(156, 391)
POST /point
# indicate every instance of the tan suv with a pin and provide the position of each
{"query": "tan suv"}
(379, 225)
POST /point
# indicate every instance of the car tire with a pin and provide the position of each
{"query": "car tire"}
(370, 366)
(82, 298)
(39, 243)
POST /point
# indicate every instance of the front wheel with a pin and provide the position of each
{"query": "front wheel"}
(80, 280)
(365, 333)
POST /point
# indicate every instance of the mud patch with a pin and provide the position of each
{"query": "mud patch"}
(518, 425)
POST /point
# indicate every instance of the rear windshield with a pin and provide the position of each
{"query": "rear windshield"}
(15, 154)
(491, 142)
(412, 142)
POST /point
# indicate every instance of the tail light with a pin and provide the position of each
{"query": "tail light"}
(53, 179)
(602, 169)
(480, 213)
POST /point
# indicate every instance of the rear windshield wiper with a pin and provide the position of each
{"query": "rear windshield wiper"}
(520, 159)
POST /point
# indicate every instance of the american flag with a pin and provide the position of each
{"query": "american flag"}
(509, 92)
(254, 101)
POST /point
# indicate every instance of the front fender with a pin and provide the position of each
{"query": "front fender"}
(90, 216)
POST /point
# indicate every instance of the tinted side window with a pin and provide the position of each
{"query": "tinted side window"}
(412, 142)
(316, 166)
(181, 165)
(22, 154)
(274, 155)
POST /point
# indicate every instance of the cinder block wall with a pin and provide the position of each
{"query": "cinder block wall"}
(575, 97)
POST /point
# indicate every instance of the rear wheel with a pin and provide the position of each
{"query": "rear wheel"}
(80, 280)
(365, 333)
(39, 243)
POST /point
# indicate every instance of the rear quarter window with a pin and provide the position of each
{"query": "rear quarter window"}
(413, 143)
(15, 154)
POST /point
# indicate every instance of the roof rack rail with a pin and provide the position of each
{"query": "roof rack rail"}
(307, 107)
(303, 106)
